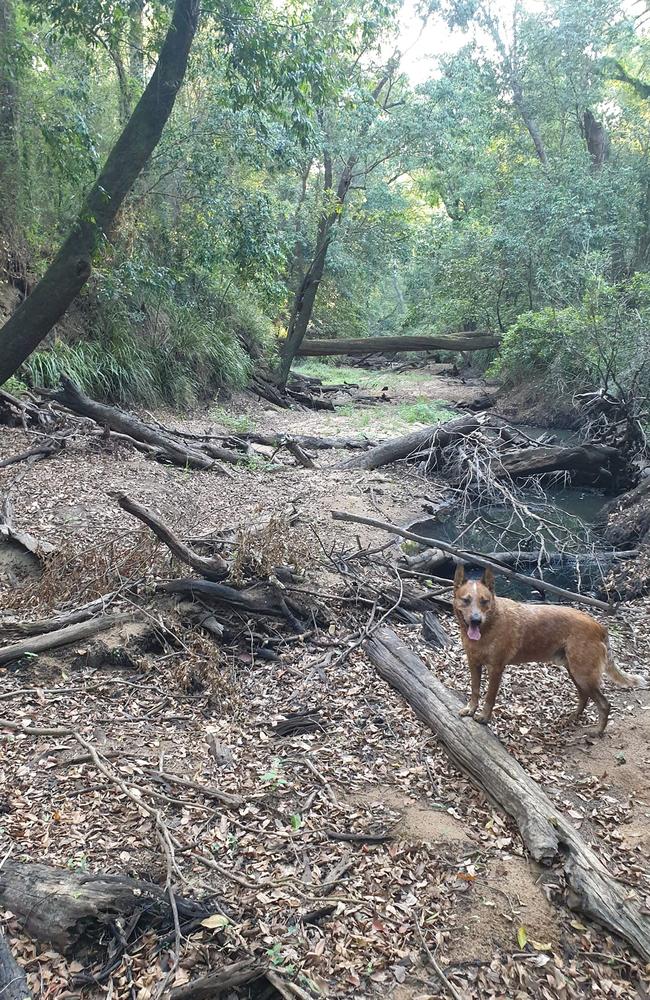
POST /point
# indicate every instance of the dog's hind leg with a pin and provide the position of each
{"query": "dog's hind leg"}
(588, 678)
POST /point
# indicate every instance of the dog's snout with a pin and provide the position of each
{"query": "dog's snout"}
(475, 619)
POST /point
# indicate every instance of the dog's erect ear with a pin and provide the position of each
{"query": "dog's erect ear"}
(488, 579)
(459, 576)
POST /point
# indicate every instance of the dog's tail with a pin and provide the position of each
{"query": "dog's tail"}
(619, 676)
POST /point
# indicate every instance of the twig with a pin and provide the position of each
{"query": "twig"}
(451, 989)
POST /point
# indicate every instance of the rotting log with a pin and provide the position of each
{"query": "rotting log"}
(437, 561)
(62, 637)
(475, 558)
(72, 910)
(14, 626)
(260, 600)
(211, 567)
(397, 345)
(13, 982)
(36, 547)
(216, 983)
(548, 835)
(436, 437)
(590, 464)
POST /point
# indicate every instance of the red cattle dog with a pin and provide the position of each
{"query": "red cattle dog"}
(496, 631)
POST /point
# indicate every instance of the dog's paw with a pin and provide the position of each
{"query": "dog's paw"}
(482, 718)
(468, 710)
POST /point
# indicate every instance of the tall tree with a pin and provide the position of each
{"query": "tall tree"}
(8, 112)
(71, 268)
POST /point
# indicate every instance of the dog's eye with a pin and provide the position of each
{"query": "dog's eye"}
(484, 602)
(467, 600)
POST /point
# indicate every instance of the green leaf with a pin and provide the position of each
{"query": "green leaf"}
(296, 821)
(522, 937)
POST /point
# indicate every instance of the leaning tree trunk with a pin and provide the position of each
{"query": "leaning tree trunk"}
(70, 269)
(305, 297)
(546, 832)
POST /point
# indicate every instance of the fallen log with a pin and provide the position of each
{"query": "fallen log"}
(62, 637)
(547, 834)
(72, 910)
(211, 567)
(435, 561)
(398, 345)
(13, 982)
(174, 451)
(41, 451)
(15, 626)
(305, 441)
(589, 464)
(476, 558)
(35, 546)
(436, 437)
(216, 983)
(262, 601)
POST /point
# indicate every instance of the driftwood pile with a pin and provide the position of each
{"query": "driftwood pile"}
(476, 448)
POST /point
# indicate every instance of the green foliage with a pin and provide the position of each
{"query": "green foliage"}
(602, 341)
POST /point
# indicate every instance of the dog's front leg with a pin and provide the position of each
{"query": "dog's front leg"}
(472, 704)
(494, 681)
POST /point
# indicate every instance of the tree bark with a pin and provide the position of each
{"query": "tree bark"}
(305, 297)
(438, 436)
(546, 832)
(212, 568)
(124, 423)
(70, 269)
(395, 345)
(8, 113)
(62, 637)
(72, 909)
(13, 982)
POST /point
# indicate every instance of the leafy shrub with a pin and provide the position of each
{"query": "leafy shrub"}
(604, 341)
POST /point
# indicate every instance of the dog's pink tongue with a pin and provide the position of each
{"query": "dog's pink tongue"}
(474, 632)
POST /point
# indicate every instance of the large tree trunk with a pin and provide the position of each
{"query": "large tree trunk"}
(396, 345)
(8, 97)
(546, 832)
(71, 267)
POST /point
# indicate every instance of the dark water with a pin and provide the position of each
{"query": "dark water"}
(558, 520)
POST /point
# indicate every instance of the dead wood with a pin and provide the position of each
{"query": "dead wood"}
(258, 600)
(72, 910)
(475, 558)
(397, 345)
(590, 464)
(546, 832)
(70, 396)
(14, 626)
(308, 441)
(436, 561)
(61, 637)
(360, 838)
(212, 568)
(301, 456)
(436, 437)
(216, 983)
(41, 451)
(36, 547)
(226, 798)
(13, 982)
